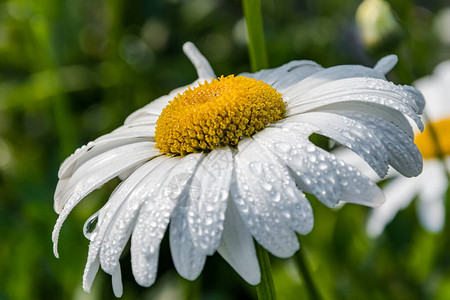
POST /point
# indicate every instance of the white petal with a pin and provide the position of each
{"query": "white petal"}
(350, 133)
(67, 167)
(201, 64)
(329, 75)
(121, 209)
(314, 173)
(357, 188)
(286, 75)
(386, 64)
(390, 115)
(237, 247)
(143, 119)
(146, 238)
(399, 193)
(402, 153)
(92, 175)
(143, 127)
(318, 172)
(356, 161)
(89, 274)
(118, 221)
(188, 260)
(209, 190)
(117, 282)
(120, 137)
(61, 185)
(155, 107)
(100, 169)
(281, 191)
(418, 97)
(114, 213)
(144, 266)
(154, 217)
(254, 191)
(124, 175)
(365, 90)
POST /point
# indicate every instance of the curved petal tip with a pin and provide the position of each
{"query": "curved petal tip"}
(204, 69)
(117, 282)
(386, 64)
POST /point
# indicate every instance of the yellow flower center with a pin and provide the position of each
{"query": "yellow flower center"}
(425, 141)
(217, 113)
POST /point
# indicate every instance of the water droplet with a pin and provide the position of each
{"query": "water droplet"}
(90, 225)
(209, 221)
(276, 197)
(223, 195)
(267, 186)
(209, 208)
(323, 166)
(310, 148)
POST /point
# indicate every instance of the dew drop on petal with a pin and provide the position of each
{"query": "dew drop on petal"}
(323, 166)
(266, 186)
(276, 197)
(90, 225)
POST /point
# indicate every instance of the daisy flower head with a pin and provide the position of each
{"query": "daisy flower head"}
(430, 187)
(228, 159)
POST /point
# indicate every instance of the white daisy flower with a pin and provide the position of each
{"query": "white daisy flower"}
(431, 185)
(228, 160)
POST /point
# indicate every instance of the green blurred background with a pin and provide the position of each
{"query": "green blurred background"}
(71, 71)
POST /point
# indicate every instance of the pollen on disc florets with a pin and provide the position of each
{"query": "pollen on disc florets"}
(217, 113)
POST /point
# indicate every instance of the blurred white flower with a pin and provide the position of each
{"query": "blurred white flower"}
(227, 160)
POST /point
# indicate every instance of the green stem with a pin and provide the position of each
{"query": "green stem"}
(306, 274)
(256, 44)
(265, 289)
(192, 289)
(258, 60)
